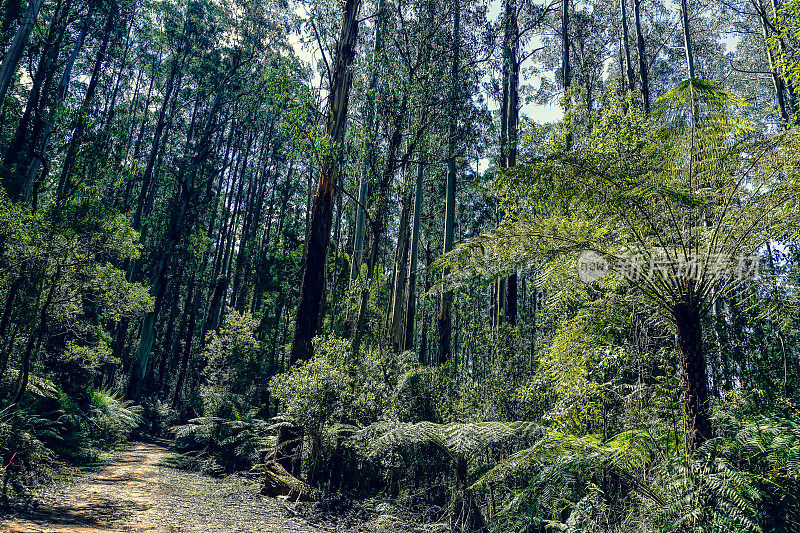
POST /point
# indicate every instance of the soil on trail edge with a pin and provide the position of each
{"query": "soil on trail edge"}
(137, 492)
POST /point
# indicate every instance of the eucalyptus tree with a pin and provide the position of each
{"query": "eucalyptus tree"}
(408, 108)
(311, 291)
(521, 21)
(222, 71)
(13, 54)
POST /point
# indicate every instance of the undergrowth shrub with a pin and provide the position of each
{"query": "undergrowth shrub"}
(112, 420)
(51, 432)
(220, 446)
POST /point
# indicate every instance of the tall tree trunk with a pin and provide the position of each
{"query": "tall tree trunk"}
(183, 202)
(411, 285)
(14, 52)
(245, 232)
(566, 74)
(443, 323)
(191, 309)
(643, 72)
(22, 149)
(147, 333)
(625, 45)
(793, 104)
(61, 95)
(80, 126)
(8, 309)
(401, 270)
(777, 81)
(368, 165)
(687, 39)
(159, 131)
(311, 290)
(693, 366)
(512, 118)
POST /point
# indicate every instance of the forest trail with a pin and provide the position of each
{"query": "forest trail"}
(138, 492)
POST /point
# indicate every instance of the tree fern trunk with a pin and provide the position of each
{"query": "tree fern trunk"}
(693, 365)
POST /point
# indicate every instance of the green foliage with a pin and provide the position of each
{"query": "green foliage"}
(113, 420)
(89, 356)
(457, 440)
(216, 445)
(233, 356)
(319, 391)
(705, 492)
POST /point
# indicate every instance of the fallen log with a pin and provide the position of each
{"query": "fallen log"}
(279, 482)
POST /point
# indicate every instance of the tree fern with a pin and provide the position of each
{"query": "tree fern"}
(456, 439)
(705, 493)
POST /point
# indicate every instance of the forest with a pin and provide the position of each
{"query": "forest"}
(465, 266)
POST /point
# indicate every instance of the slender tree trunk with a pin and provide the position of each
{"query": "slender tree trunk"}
(367, 168)
(11, 60)
(147, 333)
(311, 291)
(625, 46)
(566, 74)
(22, 148)
(243, 241)
(411, 285)
(61, 95)
(512, 119)
(192, 309)
(643, 71)
(443, 324)
(777, 81)
(793, 104)
(80, 126)
(687, 39)
(8, 309)
(401, 270)
(159, 131)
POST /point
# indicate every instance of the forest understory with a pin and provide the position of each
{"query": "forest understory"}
(496, 266)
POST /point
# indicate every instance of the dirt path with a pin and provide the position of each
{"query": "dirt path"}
(137, 492)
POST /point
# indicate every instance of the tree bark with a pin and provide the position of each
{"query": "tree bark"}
(626, 47)
(311, 290)
(693, 366)
(643, 72)
(443, 323)
(411, 284)
(14, 52)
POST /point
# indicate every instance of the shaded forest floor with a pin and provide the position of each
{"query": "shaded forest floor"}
(138, 491)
